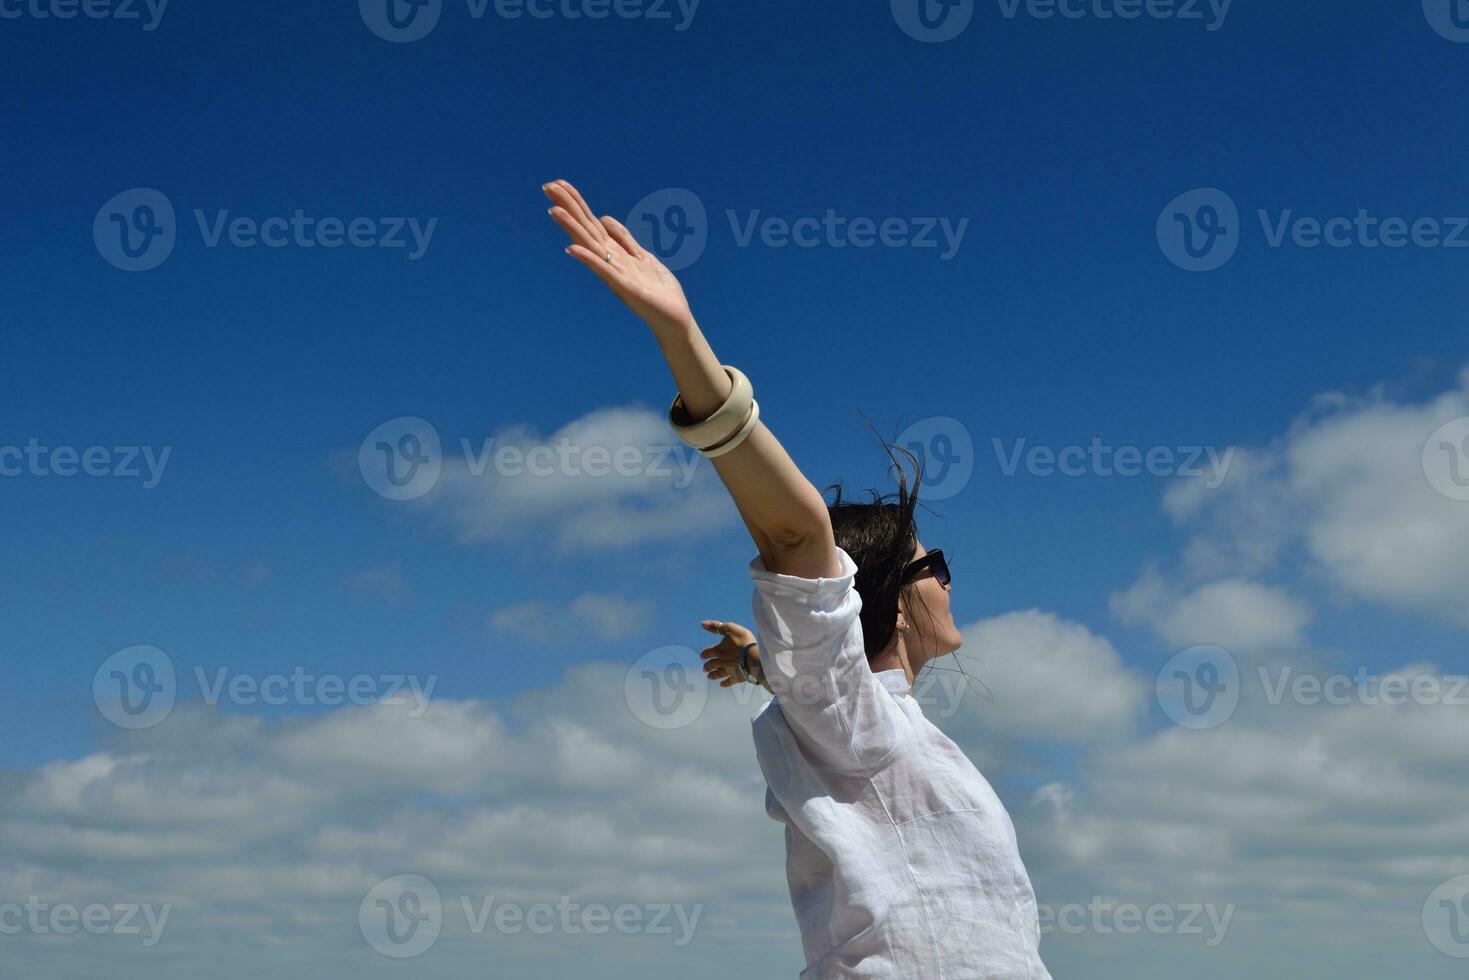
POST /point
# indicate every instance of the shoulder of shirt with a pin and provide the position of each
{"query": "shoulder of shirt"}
(760, 574)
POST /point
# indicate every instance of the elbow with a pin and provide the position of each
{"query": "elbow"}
(802, 527)
(790, 538)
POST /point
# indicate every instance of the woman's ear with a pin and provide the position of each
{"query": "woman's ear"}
(901, 623)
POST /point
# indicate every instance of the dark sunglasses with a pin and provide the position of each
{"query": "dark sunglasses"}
(931, 562)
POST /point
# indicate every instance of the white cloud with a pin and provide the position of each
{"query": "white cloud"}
(273, 832)
(1303, 818)
(592, 615)
(1328, 826)
(1348, 485)
(1306, 818)
(1050, 679)
(1234, 613)
(613, 478)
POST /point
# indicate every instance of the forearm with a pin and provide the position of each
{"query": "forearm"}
(786, 515)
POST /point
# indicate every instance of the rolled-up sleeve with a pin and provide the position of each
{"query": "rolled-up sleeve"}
(812, 651)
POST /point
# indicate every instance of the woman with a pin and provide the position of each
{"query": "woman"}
(901, 861)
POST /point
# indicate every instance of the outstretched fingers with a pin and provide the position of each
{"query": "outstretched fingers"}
(578, 201)
(577, 231)
(566, 197)
(571, 214)
(622, 236)
(597, 262)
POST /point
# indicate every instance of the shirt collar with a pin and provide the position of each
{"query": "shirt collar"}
(894, 680)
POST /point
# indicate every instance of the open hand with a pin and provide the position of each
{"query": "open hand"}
(722, 661)
(632, 272)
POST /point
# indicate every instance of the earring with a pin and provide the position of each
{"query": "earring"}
(903, 628)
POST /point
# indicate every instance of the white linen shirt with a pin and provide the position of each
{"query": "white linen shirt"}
(901, 860)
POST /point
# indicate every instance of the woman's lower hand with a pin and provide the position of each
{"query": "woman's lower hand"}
(633, 273)
(722, 661)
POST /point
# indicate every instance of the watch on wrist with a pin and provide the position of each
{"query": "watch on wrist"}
(745, 664)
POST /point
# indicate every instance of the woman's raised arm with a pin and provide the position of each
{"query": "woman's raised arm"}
(785, 514)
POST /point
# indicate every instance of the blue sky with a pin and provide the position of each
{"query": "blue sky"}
(1059, 320)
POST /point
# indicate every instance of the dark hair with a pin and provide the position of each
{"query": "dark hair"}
(880, 533)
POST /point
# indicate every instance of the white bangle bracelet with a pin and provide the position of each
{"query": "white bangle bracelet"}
(727, 420)
(734, 441)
